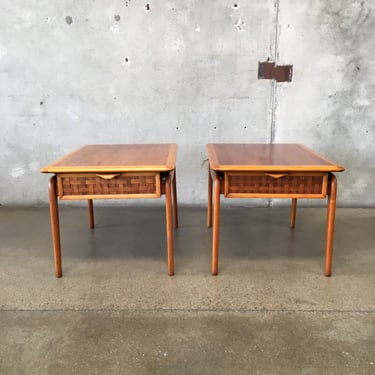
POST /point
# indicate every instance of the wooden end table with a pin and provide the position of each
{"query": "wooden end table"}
(114, 171)
(270, 171)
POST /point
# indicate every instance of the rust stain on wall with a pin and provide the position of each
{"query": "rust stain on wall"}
(280, 73)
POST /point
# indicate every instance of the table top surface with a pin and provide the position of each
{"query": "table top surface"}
(266, 157)
(117, 158)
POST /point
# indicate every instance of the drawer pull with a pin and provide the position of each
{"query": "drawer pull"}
(108, 176)
(276, 175)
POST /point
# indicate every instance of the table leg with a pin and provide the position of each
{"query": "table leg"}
(209, 206)
(174, 198)
(331, 212)
(55, 225)
(293, 213)
(215, 232)
(169, 223)
(91, 213)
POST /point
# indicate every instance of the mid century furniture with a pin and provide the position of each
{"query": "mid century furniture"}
(114, 171)
(270, 171)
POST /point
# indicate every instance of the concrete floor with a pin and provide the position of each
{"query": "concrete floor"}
(115, 311)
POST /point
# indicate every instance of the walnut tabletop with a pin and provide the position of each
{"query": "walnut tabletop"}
(266, 157)
(117, 158)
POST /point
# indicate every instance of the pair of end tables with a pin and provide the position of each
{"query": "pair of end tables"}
(235, 171)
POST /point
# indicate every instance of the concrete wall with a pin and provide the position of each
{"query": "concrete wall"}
(330, 106)
(80, 72)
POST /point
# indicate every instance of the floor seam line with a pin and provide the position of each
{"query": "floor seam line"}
(194, 310)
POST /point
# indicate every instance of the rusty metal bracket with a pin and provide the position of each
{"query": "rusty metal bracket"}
(280, 73)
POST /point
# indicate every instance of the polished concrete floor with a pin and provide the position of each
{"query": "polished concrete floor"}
(115, 311)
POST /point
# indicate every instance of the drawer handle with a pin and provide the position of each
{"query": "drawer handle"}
(276, 175)
(108, 176)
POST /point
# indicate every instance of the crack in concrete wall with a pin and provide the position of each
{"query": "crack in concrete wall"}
(274, 83)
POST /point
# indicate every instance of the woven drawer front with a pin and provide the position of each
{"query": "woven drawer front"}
(93, 185)
(278, 184)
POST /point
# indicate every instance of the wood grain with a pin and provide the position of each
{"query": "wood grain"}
(117, 158)
(268, 158)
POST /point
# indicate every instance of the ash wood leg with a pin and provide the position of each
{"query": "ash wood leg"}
(293, 212)
(174, 197)
(216, 225)
(169, 223)
(55, 225)
(209, 206)
(90, 207)
(331, 212)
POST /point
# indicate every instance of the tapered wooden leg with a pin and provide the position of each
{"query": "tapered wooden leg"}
(209, 206)
(90, 207)
(331, 212)
(293, 212)
(169, 224)
(55, 225)
(174, 198)
(216, 226)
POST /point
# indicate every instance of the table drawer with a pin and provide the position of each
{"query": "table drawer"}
(275, 184)
(108, 185)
